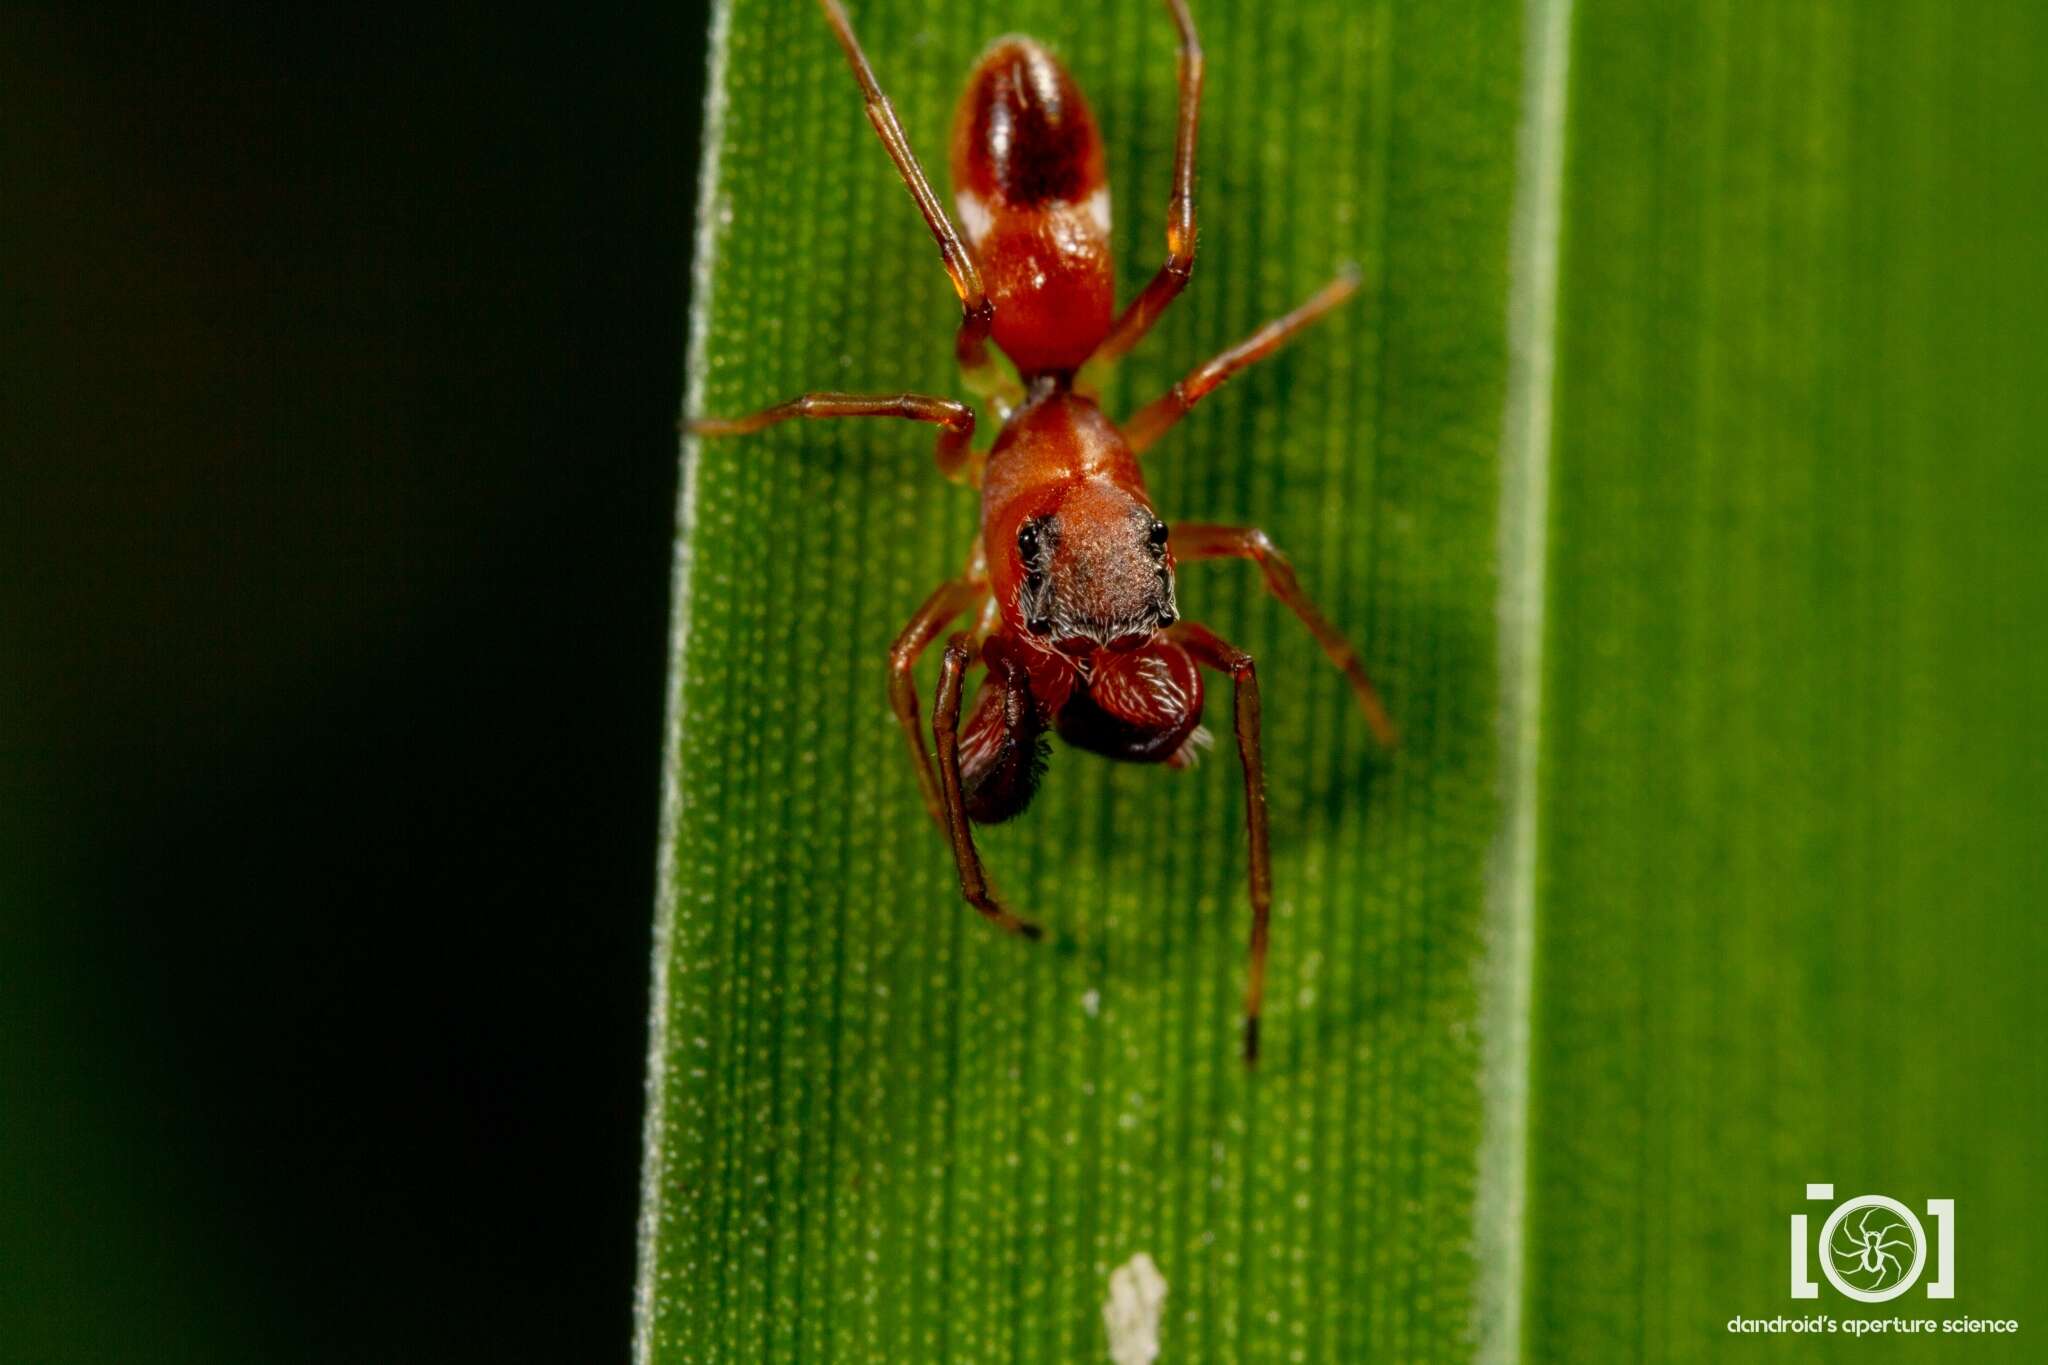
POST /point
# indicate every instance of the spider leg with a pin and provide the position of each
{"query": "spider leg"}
(1888, 1259)
(955, 420)
(974, 887)
(1210, 649)
(1840, 1250)
(1145, 309)
(977, 314)
(1152, 421)
(1194, 541)
(947, 601)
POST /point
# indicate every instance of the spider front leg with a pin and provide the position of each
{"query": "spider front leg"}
(955, 421)
(1212, 650)
(974, 887)
(947, 601)
(1195, 540)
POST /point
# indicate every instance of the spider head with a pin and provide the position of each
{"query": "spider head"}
(1094, 572)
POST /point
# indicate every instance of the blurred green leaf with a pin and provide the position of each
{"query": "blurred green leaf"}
(1789, 925)
(1713, 661)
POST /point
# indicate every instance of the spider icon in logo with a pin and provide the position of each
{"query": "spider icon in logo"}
(1872, 1248)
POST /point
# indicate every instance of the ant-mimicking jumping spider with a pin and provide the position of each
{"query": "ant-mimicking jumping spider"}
(1071, 580)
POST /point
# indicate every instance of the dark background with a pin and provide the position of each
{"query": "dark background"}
(343, 357)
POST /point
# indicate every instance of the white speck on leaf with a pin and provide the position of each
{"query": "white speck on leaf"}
(1137, 1294)
(1091, 1001)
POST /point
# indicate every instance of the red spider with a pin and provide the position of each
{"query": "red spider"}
(1071, 581)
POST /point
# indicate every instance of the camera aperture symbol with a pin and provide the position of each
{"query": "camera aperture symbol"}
(1872, 1248)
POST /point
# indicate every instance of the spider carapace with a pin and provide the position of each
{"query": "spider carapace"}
(1071, 584)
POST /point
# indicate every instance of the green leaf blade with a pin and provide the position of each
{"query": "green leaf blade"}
(1708, 867)
(883, 1132)
(1790, 869)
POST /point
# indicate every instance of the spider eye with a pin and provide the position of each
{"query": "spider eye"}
(1156, 536)
(1039, 626)
(1033, 581)
(1036, 539)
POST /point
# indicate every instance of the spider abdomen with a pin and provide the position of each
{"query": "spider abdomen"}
(1032, 189)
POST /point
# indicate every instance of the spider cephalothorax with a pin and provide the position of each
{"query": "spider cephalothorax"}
(1097, 573)
(1072, 583)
